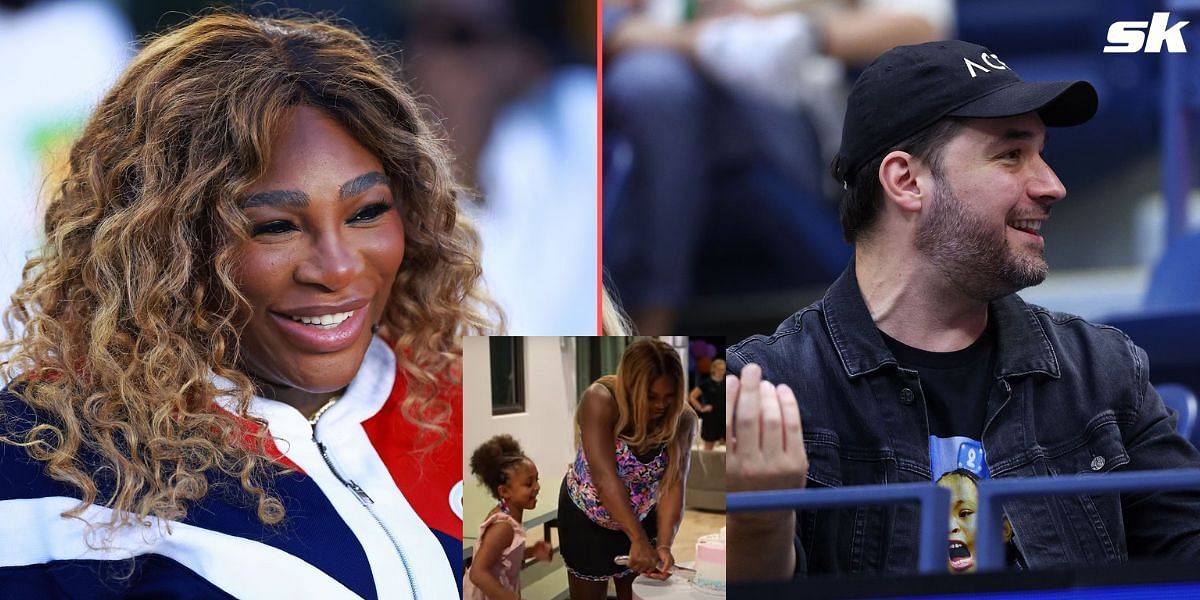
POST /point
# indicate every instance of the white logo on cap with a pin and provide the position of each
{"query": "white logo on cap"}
(991, 60)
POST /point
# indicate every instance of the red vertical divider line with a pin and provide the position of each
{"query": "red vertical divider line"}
(599, 168)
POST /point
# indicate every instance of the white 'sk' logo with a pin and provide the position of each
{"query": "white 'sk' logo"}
(1127, 36)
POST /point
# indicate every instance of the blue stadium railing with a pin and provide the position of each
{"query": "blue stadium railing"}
(935, 503)
(989, 537)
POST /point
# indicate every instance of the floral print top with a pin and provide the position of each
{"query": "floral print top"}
(641, 479)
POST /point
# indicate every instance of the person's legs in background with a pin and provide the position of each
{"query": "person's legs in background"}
(657, 101)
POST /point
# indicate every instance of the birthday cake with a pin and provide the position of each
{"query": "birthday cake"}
(710, 562)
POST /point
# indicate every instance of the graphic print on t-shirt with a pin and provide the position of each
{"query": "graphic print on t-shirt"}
(958, 464)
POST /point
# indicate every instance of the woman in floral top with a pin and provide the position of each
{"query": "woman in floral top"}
(624, 493)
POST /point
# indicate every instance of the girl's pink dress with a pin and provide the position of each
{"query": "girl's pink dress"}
(508, 568)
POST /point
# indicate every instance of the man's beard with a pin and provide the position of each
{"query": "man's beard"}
(972, 253)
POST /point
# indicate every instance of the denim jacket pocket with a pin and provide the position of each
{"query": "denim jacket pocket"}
(824, 457)
(1099, 450)
(836, 541)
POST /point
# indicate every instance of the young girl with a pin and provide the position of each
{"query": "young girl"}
(624, 493)
(512, 478)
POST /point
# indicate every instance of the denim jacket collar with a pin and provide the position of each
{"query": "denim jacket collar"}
(1022, 345)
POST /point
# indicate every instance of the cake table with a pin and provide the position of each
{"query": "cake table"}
(674, 588)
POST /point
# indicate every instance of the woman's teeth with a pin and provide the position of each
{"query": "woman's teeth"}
(326, 321)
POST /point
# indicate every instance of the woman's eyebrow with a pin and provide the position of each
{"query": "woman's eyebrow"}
(361, 184)
(283, 198)
(298, 199)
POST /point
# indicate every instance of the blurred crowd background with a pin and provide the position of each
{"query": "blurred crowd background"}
(721, 116)
(513, 83)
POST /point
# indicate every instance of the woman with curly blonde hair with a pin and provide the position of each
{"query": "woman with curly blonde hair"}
(239, 344)
(623, 495)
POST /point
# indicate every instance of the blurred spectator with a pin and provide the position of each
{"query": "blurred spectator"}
(56, 59)
(520, 111)
(708, 399)
(693, 86)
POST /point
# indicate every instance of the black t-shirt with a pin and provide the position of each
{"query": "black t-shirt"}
(956, 387)
(955, 384)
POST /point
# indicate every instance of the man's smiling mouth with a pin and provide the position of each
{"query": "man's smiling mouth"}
(1030, 226)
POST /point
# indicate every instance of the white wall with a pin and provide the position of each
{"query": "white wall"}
(545, 430)
(682, 351)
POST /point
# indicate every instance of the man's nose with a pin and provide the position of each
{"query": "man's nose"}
(1045, 186)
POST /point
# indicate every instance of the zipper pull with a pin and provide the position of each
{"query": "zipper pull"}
(358, 491)
(363, 498)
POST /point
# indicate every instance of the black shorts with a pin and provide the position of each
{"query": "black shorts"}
(712, 426)
(589, 549)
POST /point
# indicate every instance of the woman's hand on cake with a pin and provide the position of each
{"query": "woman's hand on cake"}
(642, 557)
(767, 449)
(665, 561)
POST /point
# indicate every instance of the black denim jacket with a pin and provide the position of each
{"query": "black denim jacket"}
(1069, 397)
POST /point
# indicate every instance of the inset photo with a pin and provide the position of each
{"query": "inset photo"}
(594, 467)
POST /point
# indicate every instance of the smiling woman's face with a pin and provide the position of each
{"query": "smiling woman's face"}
(326, 242)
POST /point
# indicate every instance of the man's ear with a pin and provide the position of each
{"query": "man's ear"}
(898, 177)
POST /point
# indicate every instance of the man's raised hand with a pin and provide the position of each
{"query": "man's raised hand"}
(767, 441)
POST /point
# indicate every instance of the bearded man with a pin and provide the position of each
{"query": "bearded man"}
(921, 359)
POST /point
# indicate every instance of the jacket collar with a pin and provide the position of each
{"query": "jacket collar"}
(364, 397)
(1023, 347)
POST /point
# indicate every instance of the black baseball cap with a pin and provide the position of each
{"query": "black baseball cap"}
(909, 88)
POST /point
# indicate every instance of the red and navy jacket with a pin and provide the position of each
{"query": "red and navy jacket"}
(371, 512)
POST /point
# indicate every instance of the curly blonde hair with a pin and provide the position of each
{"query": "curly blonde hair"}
(130, 307)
